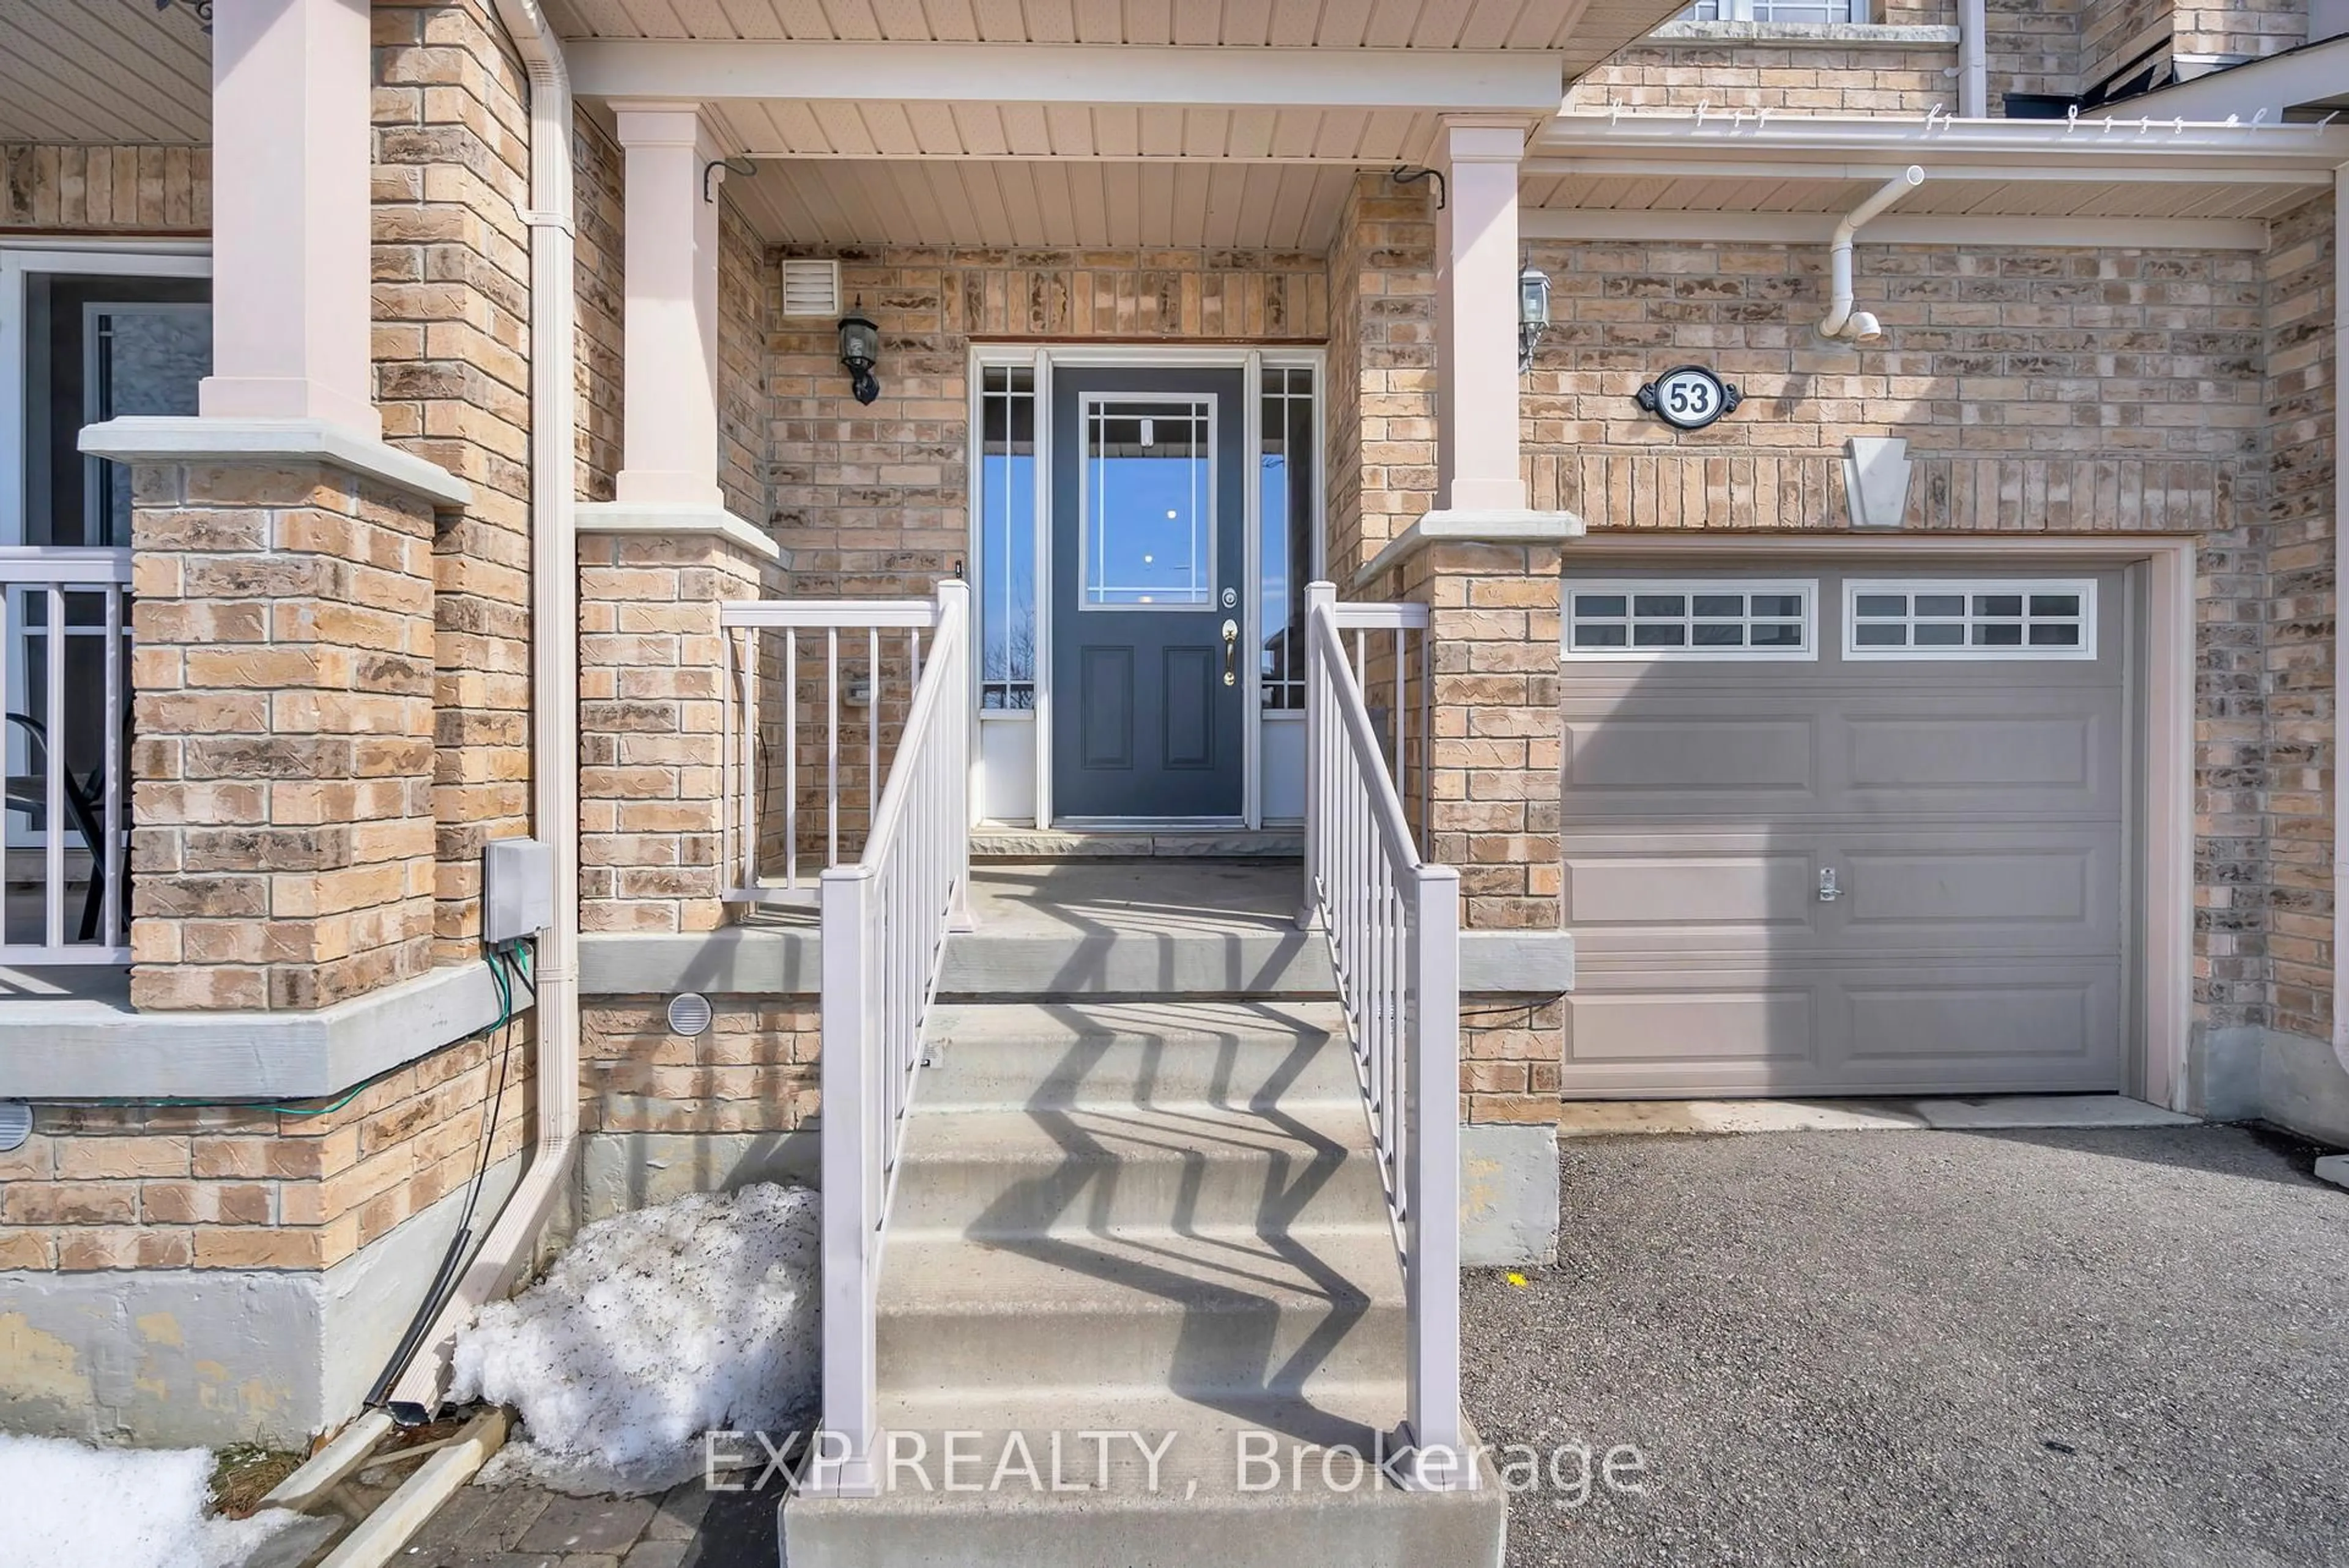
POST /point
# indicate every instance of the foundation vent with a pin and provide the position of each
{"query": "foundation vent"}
(811, 287)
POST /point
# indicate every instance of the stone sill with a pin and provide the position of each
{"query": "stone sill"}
(678, 522)
(1803, 35)
(156, 439)
(92, 1047)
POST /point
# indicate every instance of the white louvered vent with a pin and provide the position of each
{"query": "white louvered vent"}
(811, 287)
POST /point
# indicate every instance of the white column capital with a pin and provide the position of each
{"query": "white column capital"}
(647, 122)
(1482, 139)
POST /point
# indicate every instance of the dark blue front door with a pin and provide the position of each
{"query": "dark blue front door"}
(1148, 551)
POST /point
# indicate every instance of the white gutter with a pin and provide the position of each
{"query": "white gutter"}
(2126, 139)
(1974, 60)
(554, 709)
(2340, 644)
(1840, 321)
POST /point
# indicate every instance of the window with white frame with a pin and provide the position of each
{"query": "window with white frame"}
(1811, 12)
(1683, 618)
(1950, 618)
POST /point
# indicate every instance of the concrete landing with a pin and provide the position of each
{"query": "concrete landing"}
(1054, 844)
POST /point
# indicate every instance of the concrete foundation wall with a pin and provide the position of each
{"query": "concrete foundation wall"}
(173, 1357)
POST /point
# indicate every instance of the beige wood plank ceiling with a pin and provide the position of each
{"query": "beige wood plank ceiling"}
(103, 71)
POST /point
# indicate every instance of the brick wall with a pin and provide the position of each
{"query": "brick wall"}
(653, 797)
(743, 416)
(2295, 510)
(752, 1070)
(871, 500)
(2245, 28)
(106, 189)
(2113, 35)
(194, 1188)
(452, 372)
(282, 762)
(2038, 390)
(1381, 420)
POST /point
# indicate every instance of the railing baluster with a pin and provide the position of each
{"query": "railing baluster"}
(112, 858)
(831, 745)
(791, 757)
(53, 794)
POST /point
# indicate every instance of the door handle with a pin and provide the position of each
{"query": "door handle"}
(1828, 892)
(1231, 653)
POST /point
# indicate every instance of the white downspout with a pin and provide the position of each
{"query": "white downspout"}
(554, 709)
(2340, 644)
(1973, 59)
(1839, 314)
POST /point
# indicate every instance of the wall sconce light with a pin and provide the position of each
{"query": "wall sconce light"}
(859, 351)
(1533, 314)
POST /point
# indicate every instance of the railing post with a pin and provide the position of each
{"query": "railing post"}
(1321, 601)
(849, 1073)
(1432, 1223)
(956, 636)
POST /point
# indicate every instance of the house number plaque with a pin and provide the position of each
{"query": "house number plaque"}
(1688, 398)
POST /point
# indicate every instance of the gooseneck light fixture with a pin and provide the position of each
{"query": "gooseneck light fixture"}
(859, 351)
(1533, 314)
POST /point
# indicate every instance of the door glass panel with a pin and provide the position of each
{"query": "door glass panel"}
(1286, 504)
(1007, 537)
(1149, 505)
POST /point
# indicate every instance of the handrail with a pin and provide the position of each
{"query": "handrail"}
(886, 919)
(1392, 922)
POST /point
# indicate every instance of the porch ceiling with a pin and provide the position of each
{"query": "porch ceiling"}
(840, 129)
(1006, 203)
(1582, 32)
(103, 71)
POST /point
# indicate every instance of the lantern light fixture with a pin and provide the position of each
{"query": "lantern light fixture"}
(1533, 314)
(859, 351)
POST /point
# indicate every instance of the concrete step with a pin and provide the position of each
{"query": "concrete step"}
(1110, 1515)
(1070, 1055)
(989, 1175)
(1229, 1314)
(999, 843)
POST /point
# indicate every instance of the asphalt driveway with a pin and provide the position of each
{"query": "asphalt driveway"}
(2062, 1349)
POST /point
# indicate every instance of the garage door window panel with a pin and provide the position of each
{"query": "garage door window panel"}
(1924, 619)
(1682, 619)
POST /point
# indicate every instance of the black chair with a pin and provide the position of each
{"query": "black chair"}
(84, 804)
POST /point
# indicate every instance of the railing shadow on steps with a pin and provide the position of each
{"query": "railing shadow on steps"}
(884, 919)
(1392, 921)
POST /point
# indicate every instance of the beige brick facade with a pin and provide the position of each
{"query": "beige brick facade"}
(283, 765)
(105, 190)
(752, 1070)
(452, 374)
(210, 1189)
(652, 784)
(1382, 417)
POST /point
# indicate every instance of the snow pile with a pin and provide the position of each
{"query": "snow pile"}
(61, 1502)
(653, 1328)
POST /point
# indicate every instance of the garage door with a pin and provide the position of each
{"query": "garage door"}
(1858, 831)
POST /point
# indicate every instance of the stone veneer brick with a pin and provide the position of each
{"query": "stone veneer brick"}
(103, 189)
(1381, 424)
(752, 1070)
(281, 764)
(654, 801)
(228, 1188)
(452, 263)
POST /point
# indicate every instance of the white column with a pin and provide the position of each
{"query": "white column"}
(290, 222)
(669, 389)
(1477, 330)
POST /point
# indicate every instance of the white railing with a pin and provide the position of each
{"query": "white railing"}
(1392, 921)
(884, 924)
(65, 683)
(810, 687)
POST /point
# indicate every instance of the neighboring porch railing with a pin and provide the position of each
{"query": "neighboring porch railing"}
(812, 687)
(884, 924)
(65, 683)
(1393, 925)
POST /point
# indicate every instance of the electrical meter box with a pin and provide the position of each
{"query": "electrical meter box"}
(517, 889)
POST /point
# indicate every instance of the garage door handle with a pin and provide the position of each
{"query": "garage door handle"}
(1828, 892)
